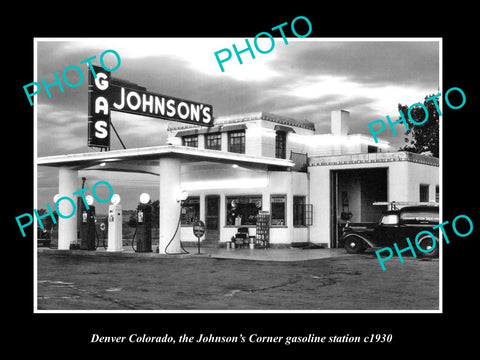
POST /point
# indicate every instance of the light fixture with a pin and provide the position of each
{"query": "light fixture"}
(89, 199)
(144, 198)
(235, 166)
(56, 197)
(182, 196)
(102, 164)
(115, 199)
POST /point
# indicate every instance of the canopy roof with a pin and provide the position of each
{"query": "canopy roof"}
(148, 156)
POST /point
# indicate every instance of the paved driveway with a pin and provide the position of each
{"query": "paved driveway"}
(70, 281)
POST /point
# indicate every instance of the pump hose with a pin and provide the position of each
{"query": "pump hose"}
(175, 233)
(96, 235)
(135, 233)
(98, 239)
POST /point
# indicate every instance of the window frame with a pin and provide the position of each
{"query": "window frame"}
(233, 135)
(281, 151)
(422, 190)
(218, 139)
(285, 207)
(305, 218)
(187, 138)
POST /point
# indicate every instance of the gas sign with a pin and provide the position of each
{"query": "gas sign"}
(107, 94)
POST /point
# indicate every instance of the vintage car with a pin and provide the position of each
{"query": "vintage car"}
(394, 226)
(44, 236)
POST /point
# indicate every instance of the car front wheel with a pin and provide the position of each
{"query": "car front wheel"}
(429, 247)
(354, 245)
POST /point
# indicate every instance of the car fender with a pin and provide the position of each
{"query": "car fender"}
(363, 238)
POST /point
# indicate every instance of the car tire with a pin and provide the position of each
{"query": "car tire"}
(354, 245)
(425, 243)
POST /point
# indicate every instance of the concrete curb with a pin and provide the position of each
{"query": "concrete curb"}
(124, 254)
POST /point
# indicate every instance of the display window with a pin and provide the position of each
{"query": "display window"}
(243, 210)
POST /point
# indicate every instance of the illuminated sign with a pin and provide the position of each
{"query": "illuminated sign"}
(98, 109)
(107, 94)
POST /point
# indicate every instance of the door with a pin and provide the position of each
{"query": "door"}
(212, 218)
(388, 230)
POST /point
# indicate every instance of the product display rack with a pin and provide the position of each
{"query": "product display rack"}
(262, 238)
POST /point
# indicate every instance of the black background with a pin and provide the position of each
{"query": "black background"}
(69, 335)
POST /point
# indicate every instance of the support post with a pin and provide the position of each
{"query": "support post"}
(67, 228)
(115, 239)
(169, 214)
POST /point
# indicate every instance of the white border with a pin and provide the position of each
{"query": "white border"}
(385, 39)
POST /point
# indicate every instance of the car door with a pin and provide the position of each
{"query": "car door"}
(388, 230)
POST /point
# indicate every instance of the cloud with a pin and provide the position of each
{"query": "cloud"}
(366, 61)
(194, 54)
(60, 130)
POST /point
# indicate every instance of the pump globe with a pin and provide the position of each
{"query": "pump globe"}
(144, 198)
(183, 195)
(115, 199)
(89, 199)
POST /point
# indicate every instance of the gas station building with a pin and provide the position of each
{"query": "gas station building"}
(254, 163)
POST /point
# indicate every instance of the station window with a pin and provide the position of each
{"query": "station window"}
(277, 209)
(281, 145)
(243, 210)
(437, 194)
(213, 141)
(190, 210)
(302, 212)
(424, 190)
(236, 141)
(191, 141)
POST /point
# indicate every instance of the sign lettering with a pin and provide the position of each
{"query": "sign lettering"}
(107, 94)
(98, 109)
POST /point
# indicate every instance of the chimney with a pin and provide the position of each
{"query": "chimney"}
(340, 122)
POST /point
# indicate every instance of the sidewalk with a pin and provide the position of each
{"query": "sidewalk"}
(293, 254)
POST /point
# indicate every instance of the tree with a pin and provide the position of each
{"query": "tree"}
(47, 221)
(422, 138)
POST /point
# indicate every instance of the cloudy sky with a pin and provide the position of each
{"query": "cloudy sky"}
(306, 79)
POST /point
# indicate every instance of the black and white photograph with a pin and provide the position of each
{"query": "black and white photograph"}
(265, 190)
(233, 188)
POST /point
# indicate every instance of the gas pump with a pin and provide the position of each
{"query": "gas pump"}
(115, 225)
(143, 232)
(87, 229)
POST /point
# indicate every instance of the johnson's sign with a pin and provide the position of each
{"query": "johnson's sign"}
(108, 94)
